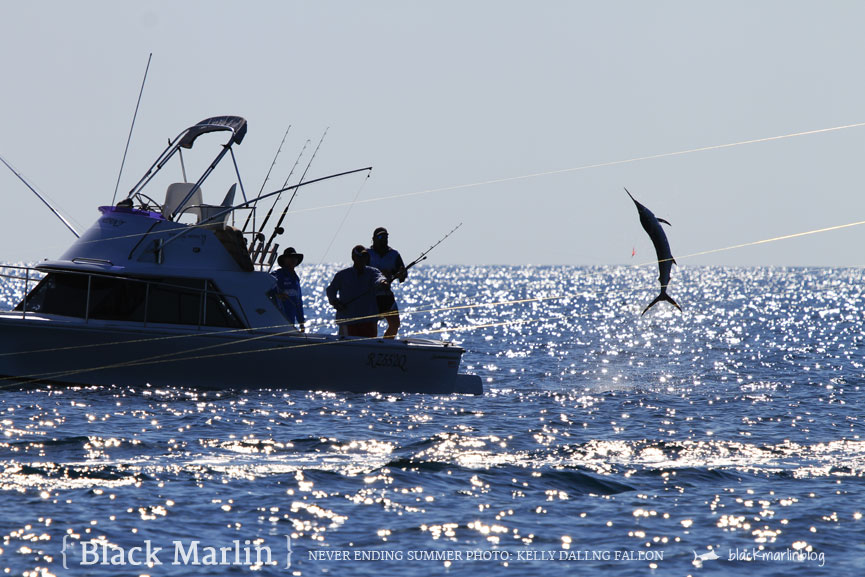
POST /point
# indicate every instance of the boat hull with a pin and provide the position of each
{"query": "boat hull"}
(41, 350)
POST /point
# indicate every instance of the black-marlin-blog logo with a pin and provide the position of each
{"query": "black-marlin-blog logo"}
(700, 557)
(250, 553)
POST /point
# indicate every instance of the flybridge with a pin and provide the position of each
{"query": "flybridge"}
(186, 198)
(233, 124)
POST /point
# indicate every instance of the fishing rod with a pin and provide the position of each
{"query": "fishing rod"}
(129, 138)
(277, 230)
(259, 235)
(266, 178)
(423, 255)
(42, 198)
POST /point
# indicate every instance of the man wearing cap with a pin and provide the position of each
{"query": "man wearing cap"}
(389, 262)
(352, 294)
(287, 290)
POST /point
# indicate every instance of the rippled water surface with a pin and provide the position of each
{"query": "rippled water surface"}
(605, 442)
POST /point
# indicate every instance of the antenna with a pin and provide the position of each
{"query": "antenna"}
(129, 138)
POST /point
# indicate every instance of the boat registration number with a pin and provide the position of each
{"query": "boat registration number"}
(387, 360)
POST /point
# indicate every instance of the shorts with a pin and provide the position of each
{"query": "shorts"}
(368, 329)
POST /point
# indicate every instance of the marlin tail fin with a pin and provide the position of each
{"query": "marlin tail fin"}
(662, 297)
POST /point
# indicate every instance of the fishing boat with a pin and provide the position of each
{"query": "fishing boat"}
(168, 294)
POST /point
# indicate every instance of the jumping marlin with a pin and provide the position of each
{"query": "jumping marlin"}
(652, 225)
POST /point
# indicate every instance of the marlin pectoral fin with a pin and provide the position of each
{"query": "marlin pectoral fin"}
(664, 221)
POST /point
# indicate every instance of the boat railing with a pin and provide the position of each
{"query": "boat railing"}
(18, 282)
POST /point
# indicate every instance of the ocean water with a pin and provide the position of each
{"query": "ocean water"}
(724, 439)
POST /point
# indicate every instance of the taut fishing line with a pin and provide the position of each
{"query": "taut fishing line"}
(406, 312)
(567, 170)
(345, 217)
(164, 357)
(597, 165)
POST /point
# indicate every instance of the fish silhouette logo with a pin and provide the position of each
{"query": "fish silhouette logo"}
(710, 556)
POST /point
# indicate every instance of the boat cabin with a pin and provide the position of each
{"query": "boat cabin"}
(176, 301)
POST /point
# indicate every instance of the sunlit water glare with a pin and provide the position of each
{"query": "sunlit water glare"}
(736, 425)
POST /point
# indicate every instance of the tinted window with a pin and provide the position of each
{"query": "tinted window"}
(178, 301)
(117, 299)
(59, 294)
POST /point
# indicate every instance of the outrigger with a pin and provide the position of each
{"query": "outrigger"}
(167, 294)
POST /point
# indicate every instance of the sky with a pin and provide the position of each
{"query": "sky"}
(522, 120)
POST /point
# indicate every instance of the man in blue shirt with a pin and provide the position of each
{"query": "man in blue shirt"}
(287, 291)
(352, 294)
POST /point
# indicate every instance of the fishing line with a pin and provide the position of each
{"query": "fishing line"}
(566, 170)
(777, 238)
(499, 303)
(166, 358)
(597, 165)
(345, 217)
(160, 359)
(322, 322)
(410, 312)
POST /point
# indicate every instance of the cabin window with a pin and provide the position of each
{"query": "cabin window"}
(117, 299)
(174, 301)
(59, 294)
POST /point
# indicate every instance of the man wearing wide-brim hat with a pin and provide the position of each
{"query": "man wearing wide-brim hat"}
(287, 291)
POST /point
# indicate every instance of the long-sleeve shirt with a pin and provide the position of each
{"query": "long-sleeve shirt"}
(352, 293)
(288, 285)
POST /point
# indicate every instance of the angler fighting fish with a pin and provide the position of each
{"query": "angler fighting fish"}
(652, 225)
